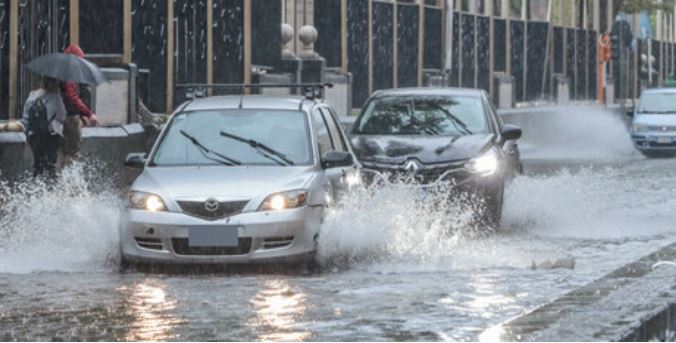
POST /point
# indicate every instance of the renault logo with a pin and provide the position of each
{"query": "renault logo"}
(664, 128)
(211, 205)
(413, 166)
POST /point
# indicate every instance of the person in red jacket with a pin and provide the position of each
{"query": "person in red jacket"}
(78, 114)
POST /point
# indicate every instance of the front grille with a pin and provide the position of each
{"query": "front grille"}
(424, 176)
(225, 209)
(661, 128)
(149, 243)
(181, 247)
(662, 145)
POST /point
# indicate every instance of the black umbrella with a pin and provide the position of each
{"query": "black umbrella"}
(67, 67)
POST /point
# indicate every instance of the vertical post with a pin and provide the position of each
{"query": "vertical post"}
(247, 44)
(421, 45)
(13, 56)
(170, 56)
(343, 37)
(461, 45)
(395, 47)
(597, 16)
(585, 15)
(524, 16)
(210, 44)
(491, 40)
(126, 8)
(74, 22)
(370, 46)
(507, 15)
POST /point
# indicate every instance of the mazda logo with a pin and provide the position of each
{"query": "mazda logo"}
(211, 205)
(413, 166)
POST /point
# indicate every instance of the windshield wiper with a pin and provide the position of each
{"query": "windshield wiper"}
(262, 148)
(457, 122)
(204, 150)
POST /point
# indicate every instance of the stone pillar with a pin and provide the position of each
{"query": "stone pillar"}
(312, 65)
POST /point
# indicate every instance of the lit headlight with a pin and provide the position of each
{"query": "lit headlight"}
(484, 165)
(284, 200)
(146, 201)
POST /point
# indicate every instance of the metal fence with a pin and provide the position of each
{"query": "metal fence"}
(176, 41)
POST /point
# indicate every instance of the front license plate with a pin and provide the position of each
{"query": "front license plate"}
(213, 236)
(664, 140)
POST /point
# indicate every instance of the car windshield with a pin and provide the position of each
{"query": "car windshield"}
(657, 103)
(236, 137)
(423, 115)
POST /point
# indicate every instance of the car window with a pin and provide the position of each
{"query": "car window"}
(337, 138)
(199, 138)
(657, 103)
(323, 135)
(435, 115)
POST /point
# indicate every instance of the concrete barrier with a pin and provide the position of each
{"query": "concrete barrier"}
(108, 146)
(632, 303)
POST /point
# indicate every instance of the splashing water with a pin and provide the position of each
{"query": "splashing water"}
(575, 132)
(70, 224)
(588, 203)
(397, 223)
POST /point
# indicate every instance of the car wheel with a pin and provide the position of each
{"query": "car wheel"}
(657, 154)
(492, 208)
(125, 264)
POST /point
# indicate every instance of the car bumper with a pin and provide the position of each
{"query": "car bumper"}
(458, 179)
(656, 142)
(162, 237)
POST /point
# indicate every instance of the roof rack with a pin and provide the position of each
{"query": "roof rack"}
(311, 91)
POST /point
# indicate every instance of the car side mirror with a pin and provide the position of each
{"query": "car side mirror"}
(135, 160)
(511, 132)
(334, 159)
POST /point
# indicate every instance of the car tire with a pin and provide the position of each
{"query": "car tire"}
(492, 207)
(657, 154)
(125, 264)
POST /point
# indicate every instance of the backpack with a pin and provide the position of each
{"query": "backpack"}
(38, 122)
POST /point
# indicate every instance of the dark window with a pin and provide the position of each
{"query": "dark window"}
(323, 135)
(337, 138)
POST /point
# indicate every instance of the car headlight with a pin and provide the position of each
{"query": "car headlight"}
(284, 200)
(486, 164)
(639, 128)
(146, 201)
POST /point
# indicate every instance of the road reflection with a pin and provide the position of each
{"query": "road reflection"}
(278, 310)
(151, 308)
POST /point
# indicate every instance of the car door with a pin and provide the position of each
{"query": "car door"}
(350, 174)
(333, 177)
(511, 147)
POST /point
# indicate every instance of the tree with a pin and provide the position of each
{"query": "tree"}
(635, 6)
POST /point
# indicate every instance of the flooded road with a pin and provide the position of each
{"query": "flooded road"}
(390, 272)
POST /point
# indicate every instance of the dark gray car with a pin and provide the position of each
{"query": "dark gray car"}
(432, 136)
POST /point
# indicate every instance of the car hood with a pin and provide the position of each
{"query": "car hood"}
(427, 149)
(655, 119)
(223, 183)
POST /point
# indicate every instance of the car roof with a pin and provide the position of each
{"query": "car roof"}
(659, 90)
(225, 102)
(429, 91)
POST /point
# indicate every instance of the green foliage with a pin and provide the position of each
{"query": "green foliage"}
(635, 6)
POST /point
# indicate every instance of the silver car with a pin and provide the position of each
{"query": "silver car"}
(653, 128)
(237, 179)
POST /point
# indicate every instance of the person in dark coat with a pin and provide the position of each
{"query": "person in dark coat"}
(78, 114)
(45, 131)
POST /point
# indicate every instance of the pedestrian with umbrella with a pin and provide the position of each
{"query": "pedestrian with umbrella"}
(78, 114)
(45, 112)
